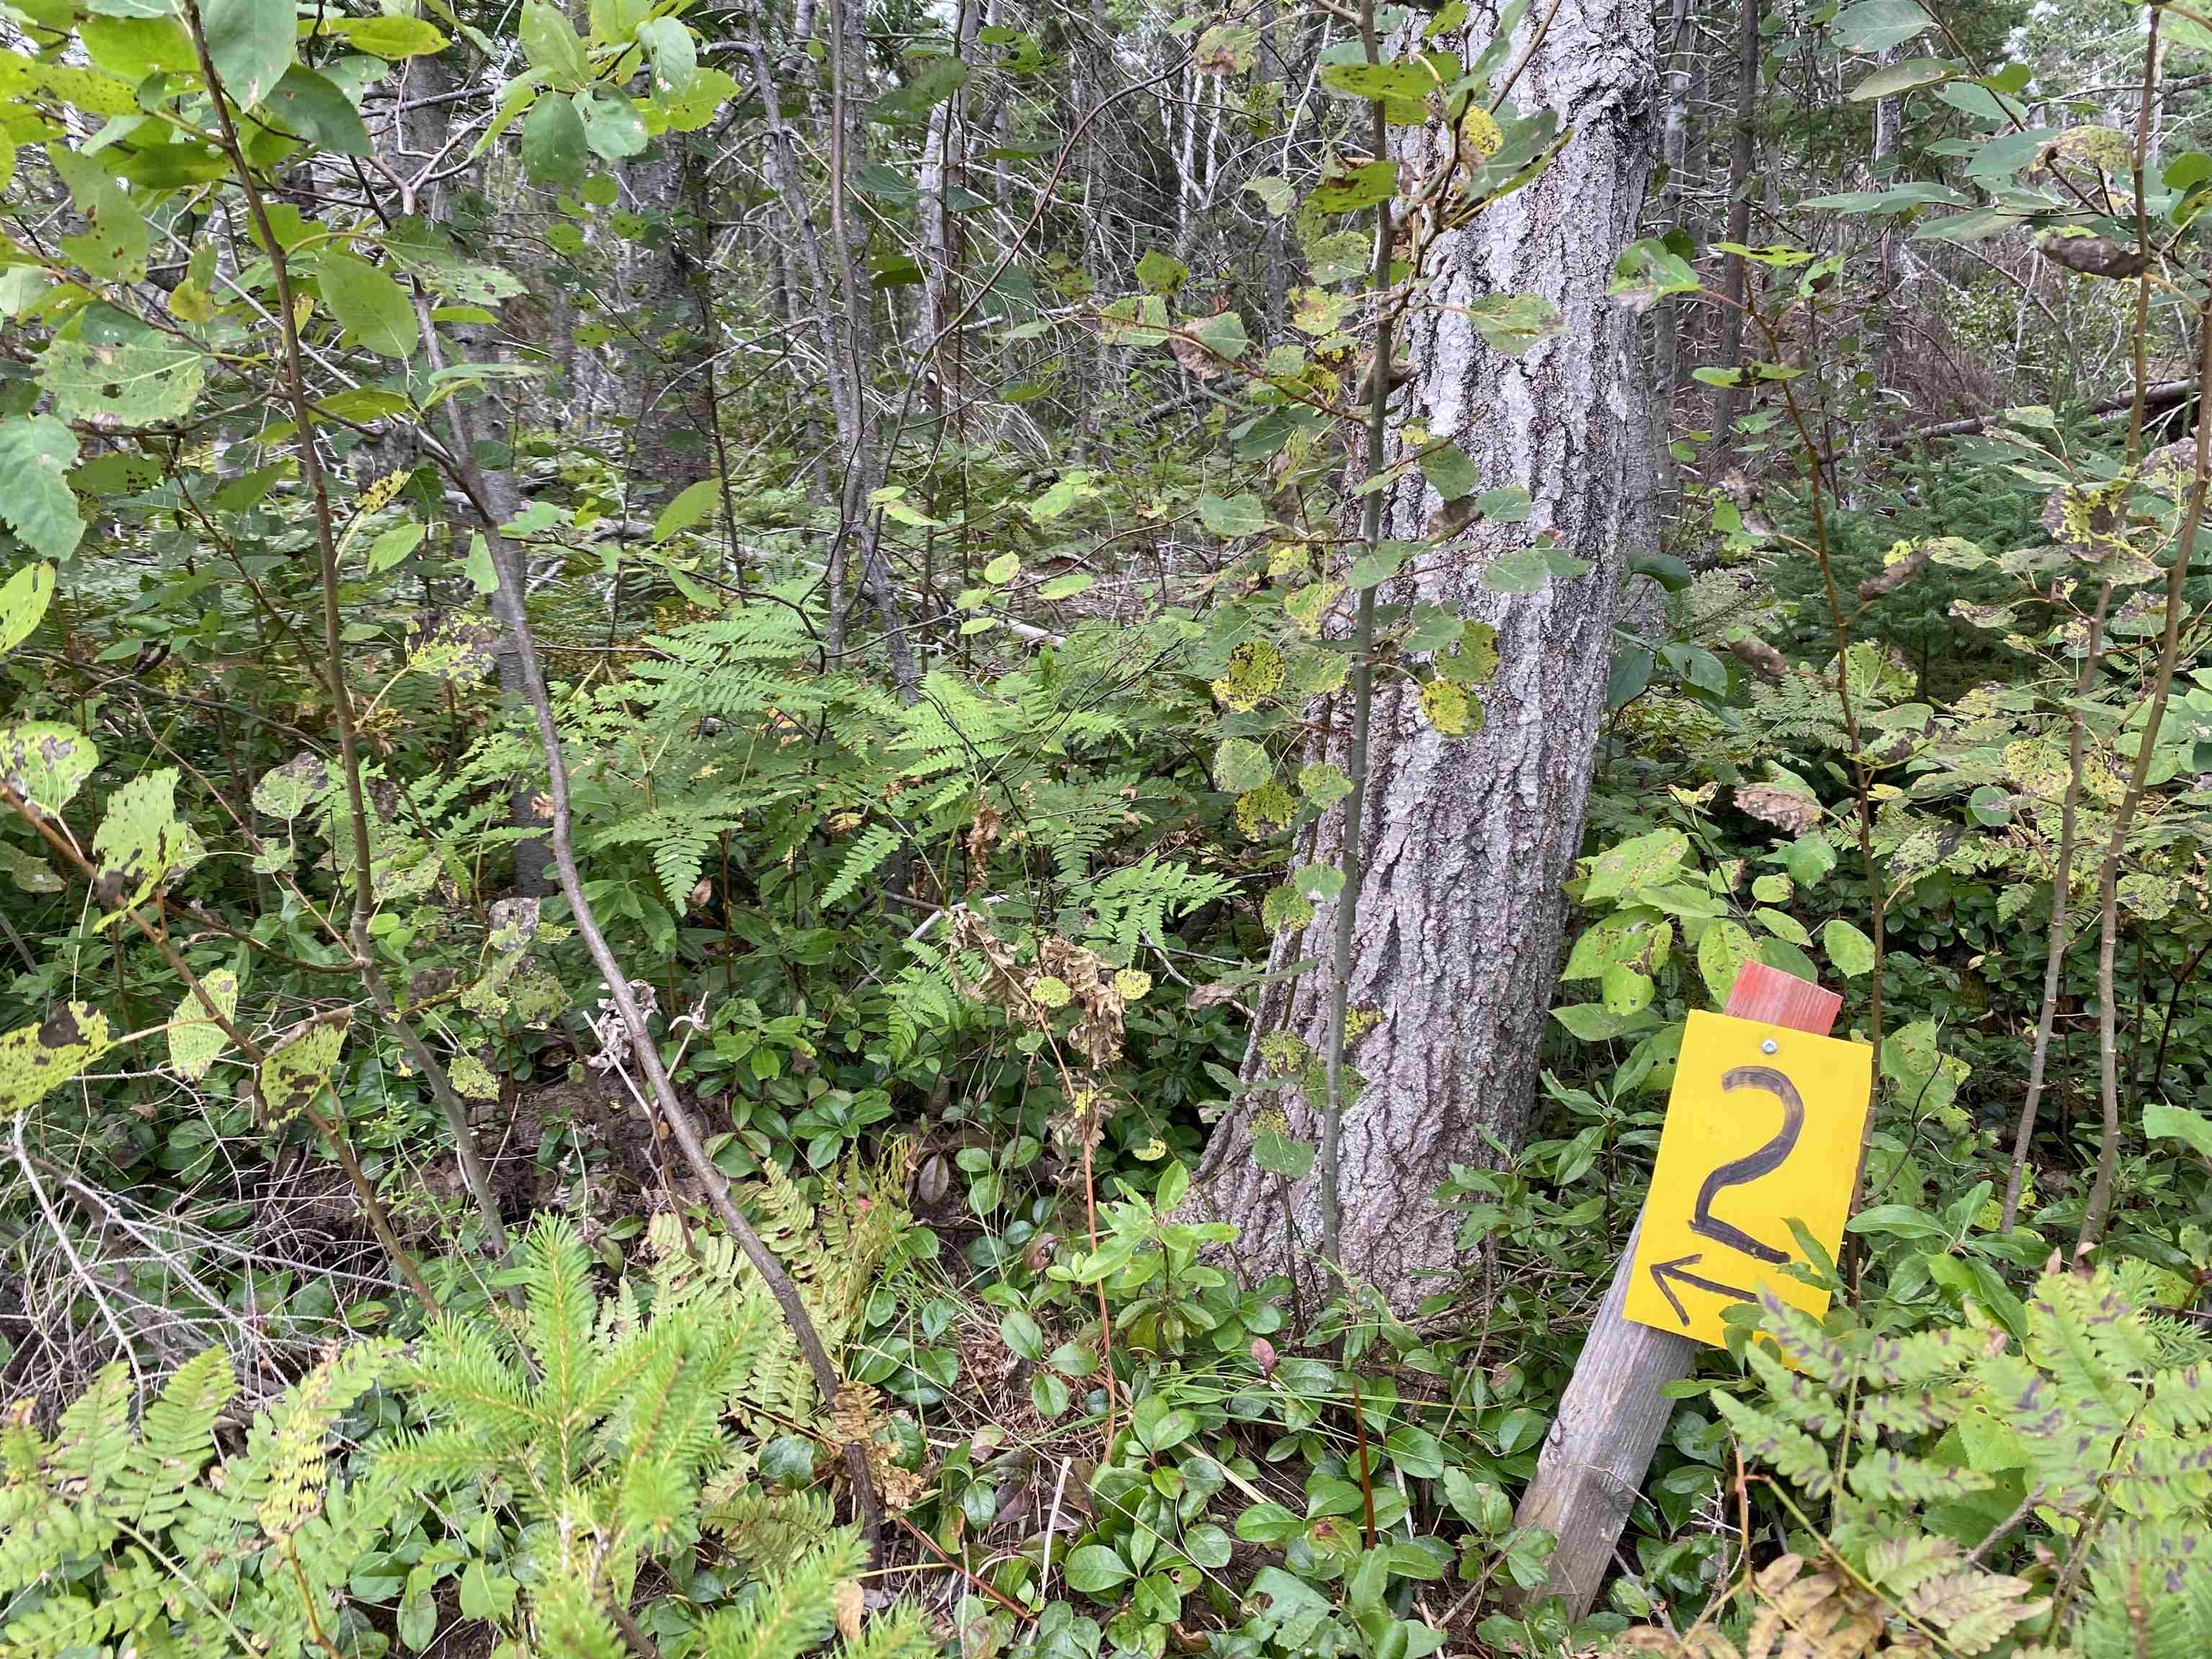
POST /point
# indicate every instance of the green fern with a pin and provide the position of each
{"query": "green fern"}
(1916, 1447)
(588, 1432)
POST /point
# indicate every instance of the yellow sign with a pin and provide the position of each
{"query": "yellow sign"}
(1763, 1128)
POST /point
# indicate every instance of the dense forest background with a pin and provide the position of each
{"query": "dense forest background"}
(880, 825)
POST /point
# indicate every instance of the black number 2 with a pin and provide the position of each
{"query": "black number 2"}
(1752, 1165)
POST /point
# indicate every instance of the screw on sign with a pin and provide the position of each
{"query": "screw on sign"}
(1737, 1186)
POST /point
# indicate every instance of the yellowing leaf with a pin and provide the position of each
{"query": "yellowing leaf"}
(196, 1041)
(33, 1058)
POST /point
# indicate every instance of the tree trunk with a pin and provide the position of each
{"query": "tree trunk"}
(1469, 840)
(1742, 156)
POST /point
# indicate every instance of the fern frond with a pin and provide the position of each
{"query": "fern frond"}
(176, 1439)
(1782, 1446)
(2181, 1399)
(869, 849)
(901, 1632)
(1892, 1477)
(1797, 1398)
(91, 1442)
(767, 1530)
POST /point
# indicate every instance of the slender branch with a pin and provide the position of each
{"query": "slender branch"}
(466, 1151)
(2062, 881)
(2099, 1207)
(508, 599)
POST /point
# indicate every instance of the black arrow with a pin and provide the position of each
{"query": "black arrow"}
(1663, 1271)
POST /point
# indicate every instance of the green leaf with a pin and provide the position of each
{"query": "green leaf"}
(1483, 1506)
(1808, 858)
(1378, 82)
(1095, 1569)
(1241, 765)
(1876, 26)
(311, 106)
(374, 309)
(251, 43)
(1280, 1152)
(553, 148)
(930, 81)
(135, 47)
(550, 43)
(612, 126)
(485, 1594)
(1646, 861)
(1268, 1523)
(1049, 1394)
(1161, 273)
(1067, 587)
(1373, 569)
(1522, 570)
(1899, 1221)
(1419, 1455)
(1233, 516)
(1447, 466)
(139, 839)
(1323, 784)
(1624, 989)
(286, 791)
(1849, 951)
(1591, 1022)
(1349, 190)
(23, 604)
(478, 568)
(1721, 956)
(388, 37)
(692, 503)
(1511, 323)
(1507, 504)
(30, 875)
(1065, 492)
(1022, 1336)
(34, 1059)
(115, 241)
(142, 382)
(295, 1072)
(394, 545)
(1669, 572)
(1207, 1546)
(675, 54)
(1909, 75)
(2165, 1121)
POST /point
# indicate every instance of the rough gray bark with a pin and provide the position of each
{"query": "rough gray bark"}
(1469, 840)
(1743, 157)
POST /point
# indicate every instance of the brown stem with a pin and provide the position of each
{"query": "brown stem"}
(2094, 1213)
(2061, 883)
(466, 1151)
(1862, 775)
(508, 599)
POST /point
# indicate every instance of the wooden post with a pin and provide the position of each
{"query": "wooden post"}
(1615, 1407)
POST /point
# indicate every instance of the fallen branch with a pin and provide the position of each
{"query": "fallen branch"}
(508, 601)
